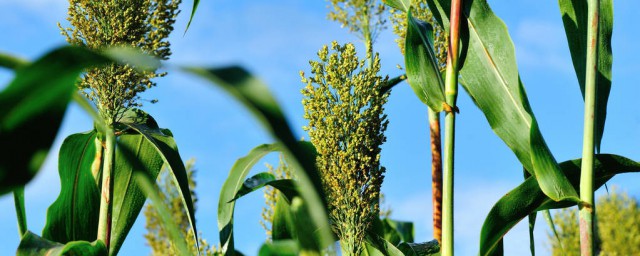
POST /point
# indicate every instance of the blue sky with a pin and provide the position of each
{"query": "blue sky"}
(275, 40)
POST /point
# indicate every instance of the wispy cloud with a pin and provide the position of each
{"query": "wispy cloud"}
(542, 45)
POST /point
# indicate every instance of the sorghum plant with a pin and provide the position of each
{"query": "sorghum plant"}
(140, 24)
(344, 106)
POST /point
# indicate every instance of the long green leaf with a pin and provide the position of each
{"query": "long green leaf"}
(574, 16)
(257, 98)
(397, 232)
(128, 197)
(32, 107)
(421, 63)
(165, 146)
(528, 198)
(74, 214)
(489, 74)
(33, 245)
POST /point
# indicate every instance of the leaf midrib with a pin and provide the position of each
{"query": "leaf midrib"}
(503, 82)
(75, 187)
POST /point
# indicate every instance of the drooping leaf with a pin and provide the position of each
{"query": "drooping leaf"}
(257, 98)
(489, 74)
(574, 16)
(75, 213)
(33, 245)
(151, 190)
(550, 177)
(401, 5)
(193, 12)
(280, 248)
(128, 197)
(528, 198)
(164, 144)
(260, 180)
(32, 107)
(421, 63)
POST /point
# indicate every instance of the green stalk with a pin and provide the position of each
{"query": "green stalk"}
(436, 173)
(451, 94)
(18, 200)
(587, 206)
(104, 221)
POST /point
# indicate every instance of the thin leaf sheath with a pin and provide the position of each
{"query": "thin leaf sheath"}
(436, 173)
(586, 178)
(451, 94)
(104, 222)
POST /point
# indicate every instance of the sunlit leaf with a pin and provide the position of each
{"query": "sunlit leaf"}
(401, 5)
(21, 213)
(423, 71)
(574, 16)
(528, 198)
(489, 73)
(12, 62)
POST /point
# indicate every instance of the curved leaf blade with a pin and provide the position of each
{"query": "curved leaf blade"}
(574, 17)
(165, 146)
(74, 215)
(489, 74)
(528, 198)
(260, 180)
(231, 187)
(33, 245)
(421, 63)
(32, 107)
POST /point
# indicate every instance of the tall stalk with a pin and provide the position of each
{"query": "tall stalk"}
(587, 206)
(451, 93)
(104, 221)
(436, 173)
